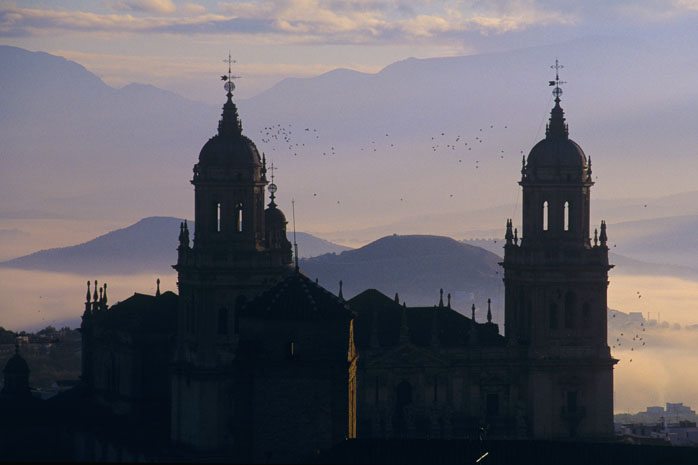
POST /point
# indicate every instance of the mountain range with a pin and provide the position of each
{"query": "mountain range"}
(149, 245)
(381, 147)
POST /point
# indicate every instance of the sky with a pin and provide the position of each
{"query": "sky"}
(172, 44)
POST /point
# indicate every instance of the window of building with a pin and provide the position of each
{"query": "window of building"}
(566, 216)
(291, 347)
(238, 218)
(545, 215)
(218, 217)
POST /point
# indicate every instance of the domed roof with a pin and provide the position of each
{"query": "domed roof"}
(229, 147)
(16, 365)
(228, 150)
(557, 157)
(274, 216)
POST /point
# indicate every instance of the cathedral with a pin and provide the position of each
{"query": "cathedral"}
(252, 361)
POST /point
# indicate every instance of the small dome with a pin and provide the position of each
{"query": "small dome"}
(229, 150)
(274, 216)
(16, 365)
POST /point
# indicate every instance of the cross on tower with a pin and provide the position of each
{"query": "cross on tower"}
(557, 91)
(272, 168)
(229, 85)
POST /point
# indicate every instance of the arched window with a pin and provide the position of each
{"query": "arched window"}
(238, 217)
(566, 213)
(546, 214)
(222, 321)
(218, 217)
(570, 309)
(553, 316)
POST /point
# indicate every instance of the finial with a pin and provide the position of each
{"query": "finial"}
(516, 236)
(229, 85)
(105, 294)
(556, 126)
(523, 166)
(264, 166)
(295, 244)
(157, 291)
(341, 295)
(509, 235)
(101, 291)
(603, 237)
(397, 298)
(230, 122)
(317, 280)
(489, 310)
(473, 312)
(596, 237)
(441, 297)
(94, 296)
(272, 187)
(449, 300)
(87, 297)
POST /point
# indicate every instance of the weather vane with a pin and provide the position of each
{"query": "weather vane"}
(272, 187)
(229, 85)
(557, 91)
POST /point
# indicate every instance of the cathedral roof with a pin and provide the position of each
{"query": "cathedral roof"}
(374, 308)
(297, 297)
(274, 216)
(142, 313)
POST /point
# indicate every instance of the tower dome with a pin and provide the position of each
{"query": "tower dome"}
(16, 375)
(229, 148)
(16, 365)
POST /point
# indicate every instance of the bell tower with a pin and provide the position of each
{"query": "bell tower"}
(230, 262)
(556, 280)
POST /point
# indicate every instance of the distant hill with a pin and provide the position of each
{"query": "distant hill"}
(640, 245)
(416, 267)
(147, 246)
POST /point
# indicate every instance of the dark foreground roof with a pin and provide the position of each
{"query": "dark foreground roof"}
(142, 313)
(454, 329)
(297, 297)
(503, 452)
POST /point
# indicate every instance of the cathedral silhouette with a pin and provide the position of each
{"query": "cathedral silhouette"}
(253, 361)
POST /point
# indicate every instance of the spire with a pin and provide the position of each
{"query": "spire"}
(397, 298)
(603, 237)
(104, 297)
(516, 236)
(341, 295)
(94, 296)
(87, 297)
(157, 292)
(509, 236)
(404, 329)
(101, 298)
(596, 237)
(556, 126)
(449, 300)
(473, 328)
(489, 310)
(473, 312)
(441, 297)
(230, 121)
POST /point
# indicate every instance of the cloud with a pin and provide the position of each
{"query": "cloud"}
(145, 6)
(298, 21)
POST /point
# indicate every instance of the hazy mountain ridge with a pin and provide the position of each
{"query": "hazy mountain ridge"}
(415, 267)
(150, 245)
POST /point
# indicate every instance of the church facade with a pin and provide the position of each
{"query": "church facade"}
(253, 361)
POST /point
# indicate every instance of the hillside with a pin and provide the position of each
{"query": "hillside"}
(149, 245)
(416, 267)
